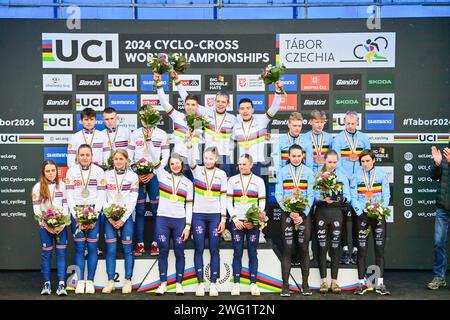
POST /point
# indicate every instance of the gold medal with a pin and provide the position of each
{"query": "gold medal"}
(245, 144)
(118, 197)
(320, 160)
(173, 198)
(354, 157)
(216, 136)
(208, 194)
(244, 199)
(85, 193)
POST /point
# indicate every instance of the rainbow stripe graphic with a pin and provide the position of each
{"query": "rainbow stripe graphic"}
(31, 139)
(47, 51)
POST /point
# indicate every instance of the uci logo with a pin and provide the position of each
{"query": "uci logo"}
(81, 51)
(427, 137)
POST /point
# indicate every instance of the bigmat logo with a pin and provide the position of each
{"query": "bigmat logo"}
(56, 154)
(94, 101)
(315, 82)
(90, 82)
(80, 50)
(191, 82)
(58, 102)
(58, 122)
(122, 82)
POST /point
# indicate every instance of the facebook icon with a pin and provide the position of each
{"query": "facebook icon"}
(408, 179)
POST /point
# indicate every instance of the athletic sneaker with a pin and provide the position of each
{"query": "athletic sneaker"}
(139, 250)
(213, 292)
(226, 235)
(354, 259)
(179, 289)
(436, 284)
(381, 289)
(61, 290)
(254, 290)
(161, 289)
(285, 291)
(345, 257)
(46, 289)
(127, 287)
(80, 287)
(324, 288)
(306, 291)
(236, 290)
(335, 288)
(90, 287)
(154, 250)
(200, 292)
(110, 287)
(362, 288)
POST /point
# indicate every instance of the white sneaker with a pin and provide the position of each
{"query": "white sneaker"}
(127, 286)
(80, 287)
(213, 292)
(90, 287)
(236, 291)
(254, 289)
(61, 290)
(179, 289)
(46, 290)
(200, 290)
(262, 239)
(161, 289)
(110, 287)
(311, 255)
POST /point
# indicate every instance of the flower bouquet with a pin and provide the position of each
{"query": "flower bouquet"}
(85, 216)
(327, 183)
(177, 63)
(149, 116)
(142, 167)
(54, 218)
(109, 165)
(257, 217)
(115, 212)
(376, 211)
(295, 203)
(271, 74)
(194, 122)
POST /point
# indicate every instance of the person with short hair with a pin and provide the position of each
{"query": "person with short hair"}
(440, 171)
(118, 136)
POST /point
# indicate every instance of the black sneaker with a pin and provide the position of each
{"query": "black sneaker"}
(285, 291)
(345, 257)
(362, 288)
(306, 291)
(381, 289)
(354, 258)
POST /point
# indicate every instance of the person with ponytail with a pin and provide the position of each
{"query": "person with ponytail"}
(328, 219)
(295, 178)
(122, 189)
(49, 193)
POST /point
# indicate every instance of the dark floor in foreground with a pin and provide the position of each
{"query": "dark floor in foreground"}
(404, 285)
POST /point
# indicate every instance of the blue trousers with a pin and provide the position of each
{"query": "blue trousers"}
(167, 228)
(440, 242)
(252, 236)
(111, 248)
(80, 245)
(47, 241)
(203, 223)
(152, 189)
